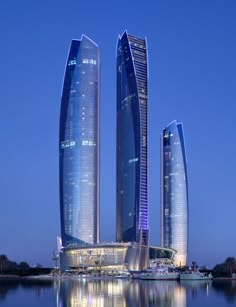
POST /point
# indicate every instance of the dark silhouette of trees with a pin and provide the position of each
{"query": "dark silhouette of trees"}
(23, 268)
(3, 263)
(225, 269)
(10, 267)
(230, 265)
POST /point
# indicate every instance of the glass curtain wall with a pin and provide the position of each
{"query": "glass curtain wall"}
(132, 192)
(79, 145)
(174, 192)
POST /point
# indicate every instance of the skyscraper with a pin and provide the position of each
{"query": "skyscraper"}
(131, 166)
(174, 192)
(79, 145)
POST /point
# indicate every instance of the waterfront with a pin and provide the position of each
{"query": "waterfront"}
(116, 292)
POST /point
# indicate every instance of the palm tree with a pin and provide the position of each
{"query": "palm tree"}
(55, 258)
(3, 263)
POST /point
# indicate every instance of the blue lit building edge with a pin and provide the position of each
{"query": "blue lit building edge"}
(132, 191)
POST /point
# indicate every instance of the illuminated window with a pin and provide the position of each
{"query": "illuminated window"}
(67, 143)
(133, 160)
(72, 62)
(88, 143)
(89, 61)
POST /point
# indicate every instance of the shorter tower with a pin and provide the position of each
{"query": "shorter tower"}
(174, 192)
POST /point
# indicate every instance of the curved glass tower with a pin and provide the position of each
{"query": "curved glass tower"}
(132, 199)
(79, 145)
(174, 192)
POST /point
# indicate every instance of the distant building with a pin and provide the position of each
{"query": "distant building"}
(79, 145)
(174, 192)
(131, 148)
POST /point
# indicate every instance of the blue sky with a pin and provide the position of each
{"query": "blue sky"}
(192, 78)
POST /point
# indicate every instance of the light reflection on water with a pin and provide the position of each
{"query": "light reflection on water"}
(120, 293)
(117, 293)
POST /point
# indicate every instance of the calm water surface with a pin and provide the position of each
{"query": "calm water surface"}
(114, 293)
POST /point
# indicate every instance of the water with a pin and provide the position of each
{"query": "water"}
(117, 293)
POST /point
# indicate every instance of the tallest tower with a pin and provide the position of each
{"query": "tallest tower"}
(79, 145)
(132, 191)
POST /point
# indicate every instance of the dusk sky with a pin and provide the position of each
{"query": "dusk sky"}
(192, 78)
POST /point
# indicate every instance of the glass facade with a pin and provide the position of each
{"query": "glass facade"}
(174, 191)
(132, 193)
(95, 257)
(79, 145)
(110, 256)
(157, 253)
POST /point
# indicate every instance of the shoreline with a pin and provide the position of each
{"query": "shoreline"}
(65, 277)
(223, 278)
(7, 277)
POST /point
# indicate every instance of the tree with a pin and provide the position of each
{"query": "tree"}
(230, 265)
(23, 267)
(3, 263)
(55, 257)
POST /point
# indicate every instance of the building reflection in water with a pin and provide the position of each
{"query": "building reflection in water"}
(119, 293)
(197, 287)
(164, 293)
(227, 288)
(74, 293)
